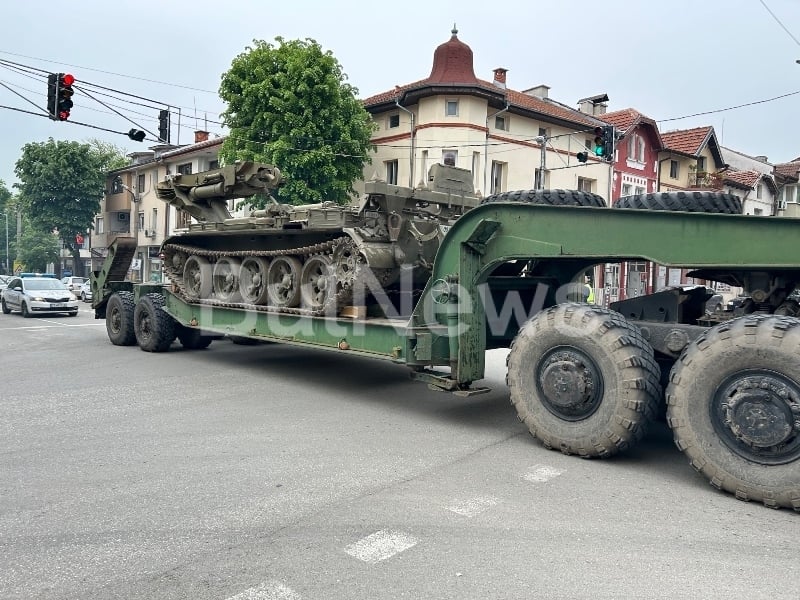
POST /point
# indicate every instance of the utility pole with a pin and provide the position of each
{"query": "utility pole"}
(542, 139)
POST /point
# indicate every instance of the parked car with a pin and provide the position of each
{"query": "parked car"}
(33, 293)
(4, 279)
(715, 304)
(73, 283)
(85, 293)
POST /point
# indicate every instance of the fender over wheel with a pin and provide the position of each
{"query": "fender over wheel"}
(583, 379)
(155, 329)
(735, 412)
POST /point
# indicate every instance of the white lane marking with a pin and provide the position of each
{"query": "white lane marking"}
(269, 590)
(53, 325)
(473, 506)
(381, 545)
(541, 473)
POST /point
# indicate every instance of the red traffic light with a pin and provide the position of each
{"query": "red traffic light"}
(67, 79)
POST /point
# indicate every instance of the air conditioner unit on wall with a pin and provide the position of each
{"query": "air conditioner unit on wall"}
(123, 216)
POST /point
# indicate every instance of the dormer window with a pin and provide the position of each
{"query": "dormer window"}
(451, 108)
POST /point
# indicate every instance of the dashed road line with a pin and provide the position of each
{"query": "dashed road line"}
(473, 506)
(269, 590)
(541, 474)
(381, 545)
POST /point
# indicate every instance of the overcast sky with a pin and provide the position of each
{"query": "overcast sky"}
(666, 59)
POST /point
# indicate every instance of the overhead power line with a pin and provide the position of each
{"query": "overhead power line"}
(719, 110)
(779, 22)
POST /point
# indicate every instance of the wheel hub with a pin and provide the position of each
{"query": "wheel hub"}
(759, 417)
(570, 384)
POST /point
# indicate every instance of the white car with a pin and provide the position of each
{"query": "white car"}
(34, 293)
(73, 283)
(85, 292)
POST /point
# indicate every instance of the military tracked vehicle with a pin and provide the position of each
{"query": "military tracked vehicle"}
(501, 272)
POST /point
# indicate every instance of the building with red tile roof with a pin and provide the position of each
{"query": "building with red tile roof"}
(690, 159)
(502, 135)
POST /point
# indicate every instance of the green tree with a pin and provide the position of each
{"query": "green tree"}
(36, 248)
(289, 105)
(61, 184)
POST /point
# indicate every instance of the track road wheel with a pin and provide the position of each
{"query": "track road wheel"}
(154, 328)
(253, 280)
(733, 403)
(193, 339)
(583, 379)
(283, 282)
(318, 283)
(226, 279)
(197, 277)
(119, 319)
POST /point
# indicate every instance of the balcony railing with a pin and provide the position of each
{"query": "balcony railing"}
(705, 180)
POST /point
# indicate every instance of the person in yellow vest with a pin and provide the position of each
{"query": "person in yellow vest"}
(588, 294)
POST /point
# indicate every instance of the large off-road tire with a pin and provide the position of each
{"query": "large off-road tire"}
(583, 379)
(119, 319)
(733, 403)
(551, 197)
(691, 201)
(193, 339)
(155, 329)
(6, 310)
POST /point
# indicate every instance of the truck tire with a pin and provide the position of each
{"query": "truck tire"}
(551, 197)
(696, 201)
(193, 339)
(119, 319)
(583, 379)
(155, 329)
(734, 412)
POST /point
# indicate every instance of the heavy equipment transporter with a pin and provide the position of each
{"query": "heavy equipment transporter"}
(431, 278)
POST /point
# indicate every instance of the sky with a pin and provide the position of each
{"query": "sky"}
(668, 60)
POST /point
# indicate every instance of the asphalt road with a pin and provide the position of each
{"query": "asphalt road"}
(274, 472)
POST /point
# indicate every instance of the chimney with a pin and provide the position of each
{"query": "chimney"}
(500, 77)
(761, 158)
(200, 136)
(540, 91)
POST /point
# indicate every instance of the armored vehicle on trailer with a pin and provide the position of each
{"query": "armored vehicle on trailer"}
(431, 278)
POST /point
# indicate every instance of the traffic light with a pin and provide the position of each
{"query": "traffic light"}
(137, 135)
(59, 95)
(163, 126)
(604, 142)
(582, 157)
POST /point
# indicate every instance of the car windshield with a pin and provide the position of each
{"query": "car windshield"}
(43, 284)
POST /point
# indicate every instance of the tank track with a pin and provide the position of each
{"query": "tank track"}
(349, 270)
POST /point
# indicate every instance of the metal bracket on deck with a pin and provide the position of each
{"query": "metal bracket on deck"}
(440, 382)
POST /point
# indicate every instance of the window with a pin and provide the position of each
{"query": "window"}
(450, 157)
(154, 220)
(586, 185)
(141, 221)
(184, 169)
(213, 164)
(116, 185)
(391, 171)
(182, 219)
(500, 123)
(589, 143)
(451, 108)
(759, 191)
(627, 189)
(701, 164)
(673, 169)
(140, 183)
(639, 190)
(636, 148)
(98, 225)
(394, 121)
(540, 180)
(424, 164)
(497, 177)
(543, 131)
